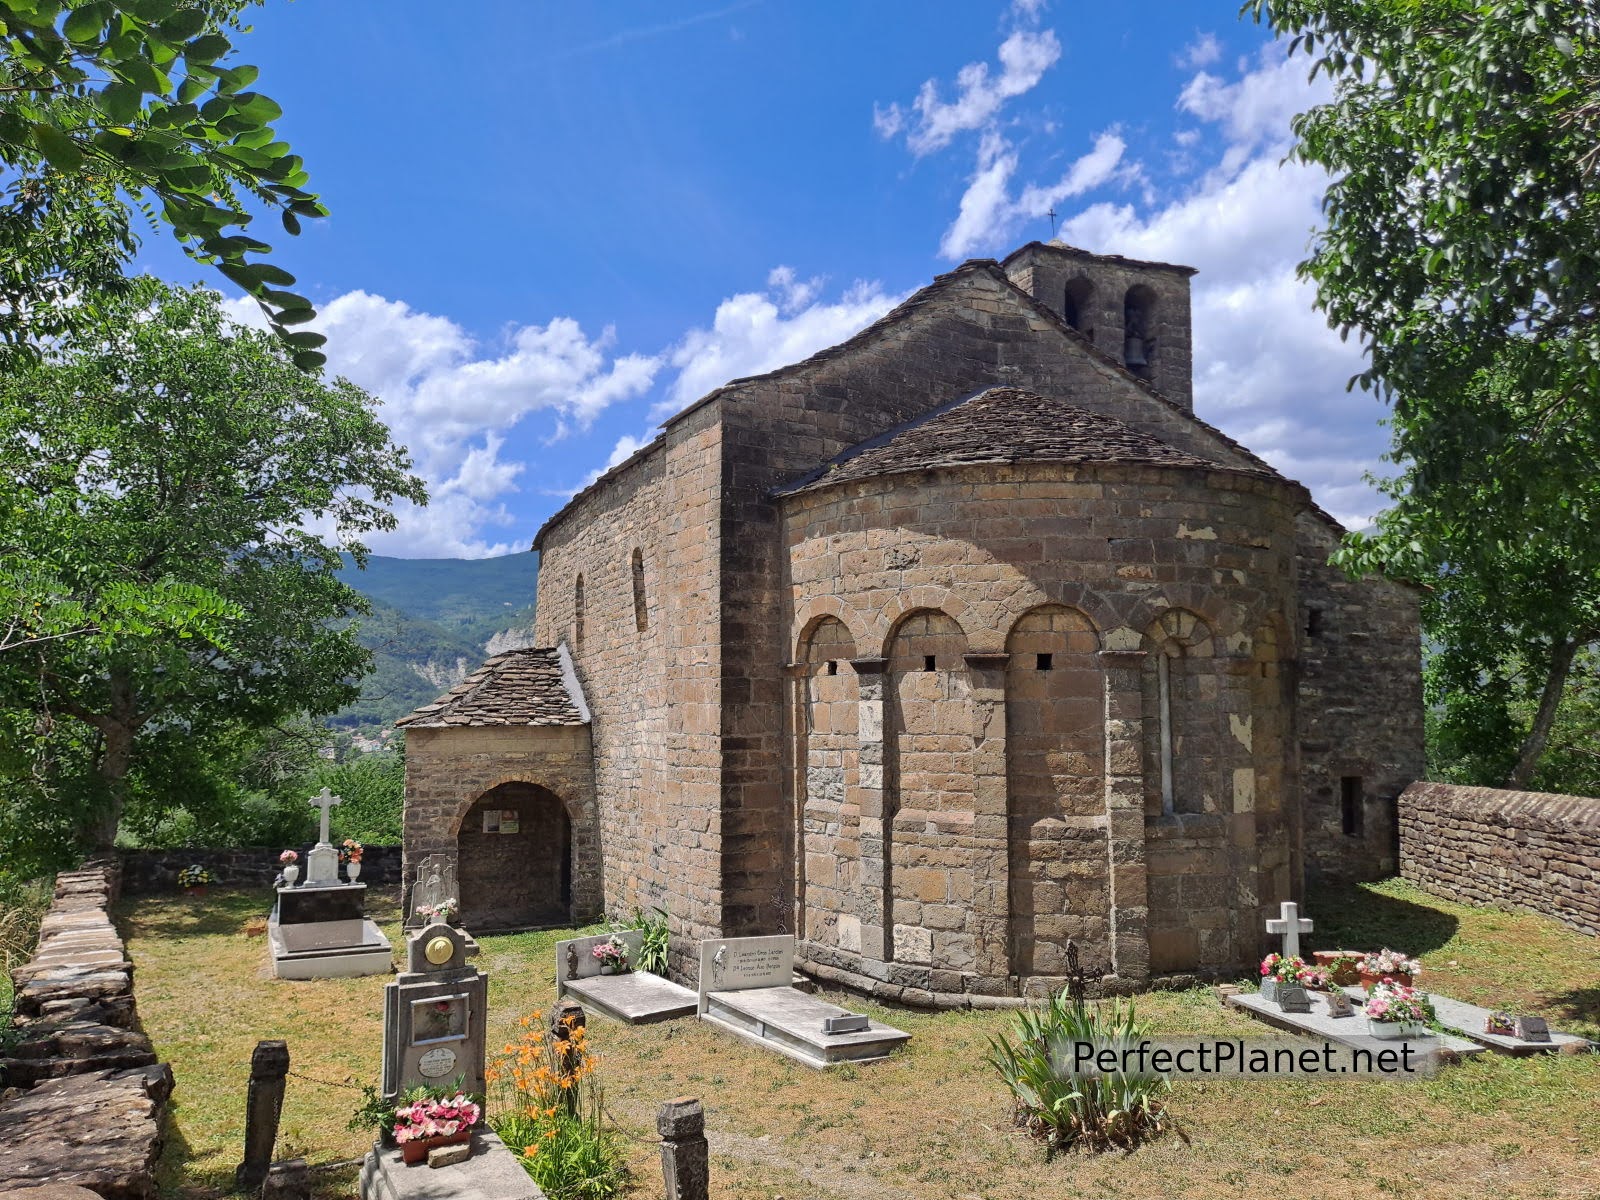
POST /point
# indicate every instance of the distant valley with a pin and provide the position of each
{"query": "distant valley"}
(433, 621)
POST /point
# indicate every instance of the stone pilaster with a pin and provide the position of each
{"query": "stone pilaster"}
(875, 827)
(1236, 757)
(1130, 890)
(991, 828)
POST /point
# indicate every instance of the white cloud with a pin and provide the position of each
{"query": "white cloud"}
(989, 215)
(933, 123)
(1268, 370)
(755, 332)
(1202, 52)
(1028, 10)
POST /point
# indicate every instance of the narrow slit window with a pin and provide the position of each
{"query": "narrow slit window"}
(927, 662)
(1313, 622)
(1164, 706)
(1044, 662)
(577, 613)
(833, 666)
(1352, 806)
(641, 611)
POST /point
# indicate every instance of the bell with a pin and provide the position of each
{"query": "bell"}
(1133, 352)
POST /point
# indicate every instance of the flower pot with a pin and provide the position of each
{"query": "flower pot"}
(417, 1151)
(1348, 973)
(1291, 997)
(198, 889)
(353, 870)
(290, 874)
(1394, 1031)
(1269, 988)
(1368, 980)
(614, 968)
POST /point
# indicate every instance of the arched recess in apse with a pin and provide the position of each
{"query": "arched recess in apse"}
(829, 790)
(1181, 692)
(1055, 784)
(929, 793)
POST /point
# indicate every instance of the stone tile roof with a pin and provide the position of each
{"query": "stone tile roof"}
(519, 687)
(999, 425)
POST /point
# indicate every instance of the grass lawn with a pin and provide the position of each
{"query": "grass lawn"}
(932, 1122)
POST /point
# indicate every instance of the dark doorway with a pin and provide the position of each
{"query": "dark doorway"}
(515, 865)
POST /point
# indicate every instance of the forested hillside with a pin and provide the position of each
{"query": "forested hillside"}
(432, 622)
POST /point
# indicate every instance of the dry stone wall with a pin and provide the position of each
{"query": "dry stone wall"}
(83, 1094)
(151, 871)
(1529, 850)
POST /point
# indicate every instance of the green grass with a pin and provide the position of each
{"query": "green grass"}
(933, 1121)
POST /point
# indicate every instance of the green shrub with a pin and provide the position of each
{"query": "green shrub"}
(657, 940)
(1064, 1110)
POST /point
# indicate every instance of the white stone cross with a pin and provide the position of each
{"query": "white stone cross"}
(325, 801)
(1291, 924)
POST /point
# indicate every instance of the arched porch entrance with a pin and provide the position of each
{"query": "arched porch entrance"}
(515, 859)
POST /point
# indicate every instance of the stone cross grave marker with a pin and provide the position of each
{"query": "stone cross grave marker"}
(322, 863)
(1291, 925)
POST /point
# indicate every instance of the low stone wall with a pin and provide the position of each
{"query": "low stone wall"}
(83, 1094)
(147, 872)
(1529, 850)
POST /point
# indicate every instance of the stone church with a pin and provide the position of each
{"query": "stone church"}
(951, 643)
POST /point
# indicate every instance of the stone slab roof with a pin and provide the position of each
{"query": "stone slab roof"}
(999, 425)
(534, 686)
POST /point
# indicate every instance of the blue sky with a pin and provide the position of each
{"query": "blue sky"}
(555, 224)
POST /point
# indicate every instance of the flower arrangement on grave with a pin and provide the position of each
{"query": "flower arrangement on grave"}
(350, 851)
(442, 911)
(612, 954)
(548, 1111)
(1318, 979)
(195, 876)
(1388, 966)
(288, 857)
(1502, 1023)
(429, 1117)
(1395, 1010)
(1342, 968)
(1278, 972)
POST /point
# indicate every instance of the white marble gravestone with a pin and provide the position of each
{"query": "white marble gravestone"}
(322, 862)
(745, 988)
(636, 997)
(1291, 925)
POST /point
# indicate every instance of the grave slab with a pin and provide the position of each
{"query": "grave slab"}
(1346, 1031)
(492, 1173)
(636, 998)
(329, 949)
(1469, 1020)
(744, 988)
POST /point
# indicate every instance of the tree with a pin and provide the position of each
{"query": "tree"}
(1462, 241)
(1463, 139)
(175, 449)
(104, 103)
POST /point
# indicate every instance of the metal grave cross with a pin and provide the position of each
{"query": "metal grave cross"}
(1291, 924)
(325, 801)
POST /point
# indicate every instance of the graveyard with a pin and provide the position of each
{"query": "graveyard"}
(931, 1120)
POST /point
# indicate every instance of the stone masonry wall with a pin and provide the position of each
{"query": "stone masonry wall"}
(971, 329)
(650, 662)
(1530, 850)
(1360, 709)
(1003, 808)
(81, 1093)
(448, 771)
(150, 871)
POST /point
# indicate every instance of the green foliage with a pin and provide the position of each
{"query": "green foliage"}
(1065, 1110)
(1464, 207)
(374, 790)
(174, 447)
(656, 942)
(104, 104)
(569, 1157)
